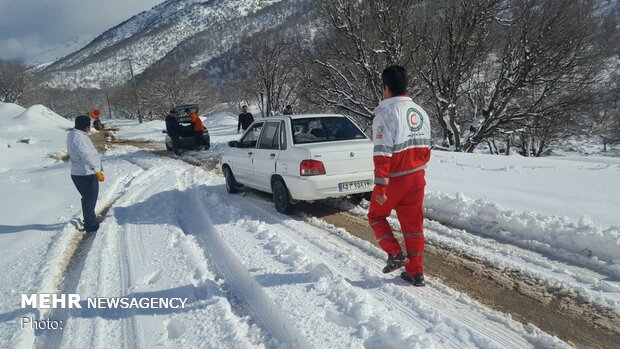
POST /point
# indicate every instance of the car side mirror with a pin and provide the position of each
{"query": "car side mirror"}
(164, 131)
(234, 144)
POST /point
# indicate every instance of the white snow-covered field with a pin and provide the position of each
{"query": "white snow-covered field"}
(255, 278)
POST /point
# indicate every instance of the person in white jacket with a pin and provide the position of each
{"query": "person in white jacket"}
(86, 170)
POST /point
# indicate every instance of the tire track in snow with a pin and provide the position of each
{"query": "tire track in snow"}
(135, 260)
(472, 326)
(401, 292)
(531, 332)
(400, 296)
(78, 259)
(242, 284)
(71, 267)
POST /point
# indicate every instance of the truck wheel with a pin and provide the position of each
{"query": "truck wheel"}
(231, 183)
(282, 197)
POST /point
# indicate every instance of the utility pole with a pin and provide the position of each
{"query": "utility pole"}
(76, 107)
(107, 96)
(135, 91)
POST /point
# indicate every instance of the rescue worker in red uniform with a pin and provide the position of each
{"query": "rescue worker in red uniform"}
(401, 136)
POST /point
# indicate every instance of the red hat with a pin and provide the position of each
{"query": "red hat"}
(94, 113)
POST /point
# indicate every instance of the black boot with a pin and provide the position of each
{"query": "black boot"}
(394, 263)
(415, 280)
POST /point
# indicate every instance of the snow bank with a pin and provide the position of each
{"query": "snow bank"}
(15, 119)
(583, 240)
(29, 136)
(150, 131)
(221, 119)
(41, 117)
(9, 111)
(222, 128)
(562, 186)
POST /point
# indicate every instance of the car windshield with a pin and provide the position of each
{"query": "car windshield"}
(324, 129)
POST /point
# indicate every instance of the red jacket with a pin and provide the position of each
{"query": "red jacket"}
(402, 137)
(198, 126)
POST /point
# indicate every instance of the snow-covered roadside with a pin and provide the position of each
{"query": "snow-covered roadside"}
(583, 277)
(582, 243)
(572, 188)
(322, 281)
(29, 136)
(159, 239)
(148, 131)
(221, 126)
(152, 244)
(566, 187)
(141, 251)
(573, 253)
(38, 203)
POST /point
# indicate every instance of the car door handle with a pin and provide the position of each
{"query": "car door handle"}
(272, 155)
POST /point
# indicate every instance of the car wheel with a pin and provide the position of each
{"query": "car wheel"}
(282, 197)
(231, 183)
(356, 199)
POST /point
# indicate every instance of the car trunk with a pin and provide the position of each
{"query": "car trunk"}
(342, 157)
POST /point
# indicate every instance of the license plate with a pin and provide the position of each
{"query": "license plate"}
(354, 185)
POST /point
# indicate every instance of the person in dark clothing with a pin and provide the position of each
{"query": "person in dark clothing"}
(245, 119)
(173, 130)
(86, 170)
(97, 124)
(288, 110)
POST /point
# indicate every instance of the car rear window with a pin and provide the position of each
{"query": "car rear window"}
(324, 129)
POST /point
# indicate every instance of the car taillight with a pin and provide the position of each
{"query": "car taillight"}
(311, 168)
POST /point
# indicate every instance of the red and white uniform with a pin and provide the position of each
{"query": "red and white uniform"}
(402, 137)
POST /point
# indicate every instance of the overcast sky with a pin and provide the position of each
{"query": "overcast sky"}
(28, 28)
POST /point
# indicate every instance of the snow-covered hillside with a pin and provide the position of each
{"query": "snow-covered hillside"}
(193, 31)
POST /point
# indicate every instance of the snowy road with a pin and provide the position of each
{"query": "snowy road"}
(253, 277)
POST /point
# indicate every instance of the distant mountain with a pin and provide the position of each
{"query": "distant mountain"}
(49, 56)
(193, 32)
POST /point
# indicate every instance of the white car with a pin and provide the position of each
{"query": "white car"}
(301, 158)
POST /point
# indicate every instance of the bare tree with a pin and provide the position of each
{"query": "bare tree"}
(274, 77)
(356, 40)
(452, 38)
(123, 102)
(13, 81)
(169, 85)
(606, 119)
(545, 48)
(491, 69)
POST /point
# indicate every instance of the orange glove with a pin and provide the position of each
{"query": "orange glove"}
(100, 176)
